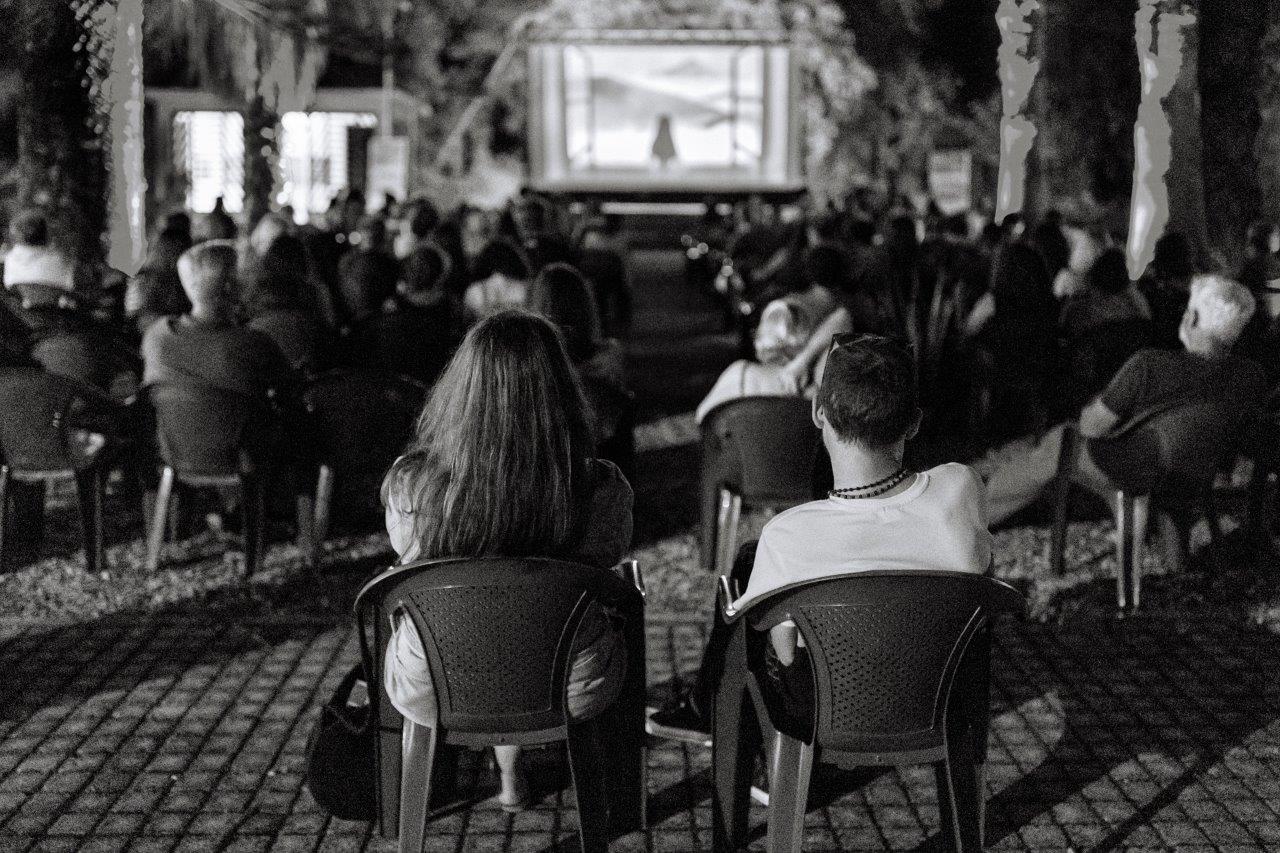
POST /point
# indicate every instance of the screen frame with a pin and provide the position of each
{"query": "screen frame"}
(542, 173)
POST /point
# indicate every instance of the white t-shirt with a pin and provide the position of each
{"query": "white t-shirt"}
(938, 523)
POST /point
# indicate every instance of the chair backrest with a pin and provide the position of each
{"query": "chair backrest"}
(36, 410)
(1178, 449)
(361, 420)
(203, 431)
(885, 647)
(498, 634)
(774, 440)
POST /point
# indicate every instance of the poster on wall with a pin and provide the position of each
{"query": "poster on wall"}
(388, 168)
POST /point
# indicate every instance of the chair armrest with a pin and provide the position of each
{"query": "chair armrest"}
(630, 570)
(726, 593)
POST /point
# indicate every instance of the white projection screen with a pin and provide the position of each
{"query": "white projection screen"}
(636, 116)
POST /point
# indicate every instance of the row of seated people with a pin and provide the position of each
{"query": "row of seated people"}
(249, 330)
(502, 465)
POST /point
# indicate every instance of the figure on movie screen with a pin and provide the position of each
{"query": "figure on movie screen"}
(664, 145)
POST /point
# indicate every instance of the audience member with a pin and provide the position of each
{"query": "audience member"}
(879, 515)
(156, 291)
(602, 259)
(277, 302)
(785, 327)
(34, 257)
(1167, 286)
(1108, 297)
(217, 224)
(500, 277)
(368, 274)
(205, 346)
(562, 295)
(502, 466)
(1205, 370)
(418, 334)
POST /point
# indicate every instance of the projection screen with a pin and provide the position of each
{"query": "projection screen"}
(647, 115)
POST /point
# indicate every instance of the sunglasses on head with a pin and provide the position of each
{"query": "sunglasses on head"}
(843, 340)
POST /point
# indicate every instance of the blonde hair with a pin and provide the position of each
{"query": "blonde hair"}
(783, 331)
(1223, 307)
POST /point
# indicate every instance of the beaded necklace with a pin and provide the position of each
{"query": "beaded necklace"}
(871, 490)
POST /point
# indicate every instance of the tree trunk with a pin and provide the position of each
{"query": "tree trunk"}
(61, 163)
(1185, 178)
(260, 157)
(1230, 46)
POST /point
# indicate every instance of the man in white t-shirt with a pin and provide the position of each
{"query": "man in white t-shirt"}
(879, 515)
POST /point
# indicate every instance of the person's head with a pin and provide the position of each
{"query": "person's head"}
(207, 272)
(565, 297)
(827, 265)
(425, 219)
(216, 225)
(371, 234)
(270, 227)
(1109, 273)
(1217, 312)
(426, 272)
(867, 400)
(1172, 260)
(281, 277)
(500, 258)
(1262, 238)
(178, 220)
(30, 228)
(164, 250)
(782, 332)
(496, 466)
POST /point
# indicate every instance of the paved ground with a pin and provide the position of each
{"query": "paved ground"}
(186, 731)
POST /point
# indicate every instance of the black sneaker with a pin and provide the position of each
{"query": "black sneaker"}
(680, 720)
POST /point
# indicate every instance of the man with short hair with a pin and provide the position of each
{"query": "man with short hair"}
(204, 346)
(1205, 370)
(879, 515)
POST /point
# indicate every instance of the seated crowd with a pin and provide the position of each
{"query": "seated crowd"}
(918, 355)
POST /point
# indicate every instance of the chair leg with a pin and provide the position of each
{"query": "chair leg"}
(91, 487)
(1062, 502)
(961, 792)
(4, 507)
(417, 757)
(586, 763)
(791, 764)
(1129, 574)
(727, 530)
(304, 520)
(254, 523)
(159, 518)
(734, 744)
(1214, 517)
(324, 499)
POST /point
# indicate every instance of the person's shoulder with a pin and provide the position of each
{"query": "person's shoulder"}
(797, 518)
(954, 477)
(606, 477)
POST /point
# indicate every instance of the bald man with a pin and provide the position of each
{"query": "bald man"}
(205, 346)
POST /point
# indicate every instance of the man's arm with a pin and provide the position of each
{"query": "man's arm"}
(798, 369)
(1096, 420)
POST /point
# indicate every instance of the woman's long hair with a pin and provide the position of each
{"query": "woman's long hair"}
(498, 463)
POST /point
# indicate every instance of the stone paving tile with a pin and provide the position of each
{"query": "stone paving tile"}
(177, 732)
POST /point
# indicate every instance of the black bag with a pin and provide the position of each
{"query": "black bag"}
(341, 770)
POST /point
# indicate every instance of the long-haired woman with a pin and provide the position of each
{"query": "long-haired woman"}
(502, 466)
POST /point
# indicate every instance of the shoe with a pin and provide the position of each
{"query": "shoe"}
(680, 720)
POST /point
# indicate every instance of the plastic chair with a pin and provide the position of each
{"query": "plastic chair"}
(47, 433)
(900, 664)
(757, 452)
(210, 439)
(1170, 456)
(360, 422)
(498, 635)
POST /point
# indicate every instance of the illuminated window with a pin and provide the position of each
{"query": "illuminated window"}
(209, 146)
(314, 158)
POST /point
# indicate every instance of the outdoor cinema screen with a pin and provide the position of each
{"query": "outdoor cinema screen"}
(662, 116)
